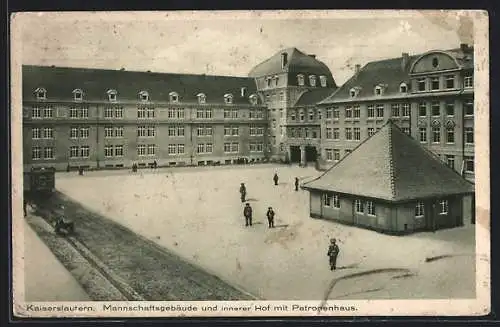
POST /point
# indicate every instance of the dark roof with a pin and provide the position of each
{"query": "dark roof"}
(313, 96)
(59, 82)
(392, 166)
(390, 73)
(298, 62)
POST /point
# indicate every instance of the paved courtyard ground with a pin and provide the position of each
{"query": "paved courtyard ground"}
(197, 214)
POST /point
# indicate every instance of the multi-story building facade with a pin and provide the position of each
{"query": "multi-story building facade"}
(290, 82)
(93, 118)
(430, 96)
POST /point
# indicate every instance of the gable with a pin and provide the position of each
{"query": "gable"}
(433, 62)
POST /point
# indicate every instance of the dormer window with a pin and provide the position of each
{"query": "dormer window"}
(312, 80)
(300, 79)
(78, 95)
(112, 95)
(144, 96)
(354, 92)
(253, 99)
(243, 92)
(322, 80)
(228, 98)
(268, 81)
(378, 90)
(276, 80)
(41, 93)
(202, 98)
(174, 97)
(403, 88)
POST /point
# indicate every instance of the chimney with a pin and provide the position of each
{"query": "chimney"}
(243, 92)
(357, 68)
(312, 56)
(405, 60)
(284, 60)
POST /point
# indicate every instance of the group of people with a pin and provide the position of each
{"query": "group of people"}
(154, 165)
(248, 211)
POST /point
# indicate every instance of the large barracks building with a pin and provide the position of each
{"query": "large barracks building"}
(289, 108)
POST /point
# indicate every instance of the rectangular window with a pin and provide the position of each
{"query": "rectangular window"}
(436, 134)
(35, 112)
(141, 131)
(200, 131)
(35, 153)
(108, 151)
(421, 84)
(450, 161)
(108, 112)
(469, 135)
(84, 132)
(180, 148)
(336, 201)
(48, 112)
(357, 133)
(201, 148)
(469, 108)
(151, 112)
(208, 113)
(118, 112)
(208, 148)
(48, 133)
(336, 113)
(172, 149)
(469, 164)
(35, 133)
(422, 109)
(311, 115)
(172, 131)
(151, 131)
(48, 153)
(119, 131)
(348, 133)
(329, 113)
(227, 147)
(141, 149)
(227, 130)
(172, 113)
(450, 81)
(371, 111)
(436, 108)
(423, 134)
(443, 207)
(356, 112)
(435, 83)
(180, 131)
(329, 133)
(84, 113)
(301, 114)
(380, 111)
(227, 113)
(141, 112)
(118, 150)
(235, 147)
(336, 133)
(371, 131)
(450, 135)
(235, 131)
(73, 152)
(327, 200)
(419, 209)
(180, 113)
(329, 154)
(151, 149)
(406, 109)
(450, 108)
(468, 80)
(370, 208)
(395, 110)
(73, 112)
(84, 151)
(348, 112)
(320, 114)
(358, 204)
(234, 113)
(336, 154)
(200, 113)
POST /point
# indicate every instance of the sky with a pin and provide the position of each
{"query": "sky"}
(233, 43)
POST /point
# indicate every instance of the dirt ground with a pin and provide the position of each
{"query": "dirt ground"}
(197, 214)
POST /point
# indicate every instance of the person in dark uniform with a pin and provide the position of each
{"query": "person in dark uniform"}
(275, 178)
(243, 192)
(80, 171)
(155, 164)
(247, 212)
(333, 252)
(296, 183)
(270, 217)
(134, 168)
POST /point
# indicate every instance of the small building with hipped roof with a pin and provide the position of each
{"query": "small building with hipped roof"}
(390, 183)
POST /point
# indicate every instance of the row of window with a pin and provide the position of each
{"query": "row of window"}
(449, 159)
(366, 206)
(450, 135)
(301, 79)
(78, 95)
(435, 83)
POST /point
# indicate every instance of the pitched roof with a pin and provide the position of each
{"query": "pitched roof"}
(59, 82)
(313, 96)
(390, 73)
(392, 166)
(297, 62)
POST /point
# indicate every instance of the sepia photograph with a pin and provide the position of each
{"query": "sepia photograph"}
(250, 163)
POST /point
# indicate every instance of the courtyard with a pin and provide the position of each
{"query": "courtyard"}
(196, 213)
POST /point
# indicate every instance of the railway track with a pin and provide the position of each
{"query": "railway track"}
(136, 266)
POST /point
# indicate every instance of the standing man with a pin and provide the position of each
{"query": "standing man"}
(275, 178)
(270, 217)
(243, 192)
(296, 183)
(333, 252)
(25, 204)
(247, 212)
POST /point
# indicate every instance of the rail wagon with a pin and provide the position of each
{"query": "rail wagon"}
(39, 182)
